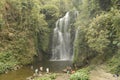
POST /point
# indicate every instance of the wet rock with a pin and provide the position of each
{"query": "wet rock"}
(30, 78)
(17, 67)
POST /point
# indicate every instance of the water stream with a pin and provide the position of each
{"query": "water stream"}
(62, 47)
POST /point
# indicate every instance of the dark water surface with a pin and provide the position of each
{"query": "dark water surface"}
(23, 73)
(20, 74)
(54, 66)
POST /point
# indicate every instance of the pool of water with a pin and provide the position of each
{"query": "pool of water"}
(54, 66)
(20, 74)
(23, 73)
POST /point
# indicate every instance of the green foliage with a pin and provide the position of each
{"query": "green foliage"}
(20, 20)
(80, 46)
(43, 39)
(105, 5)
(116, 20)
(47, 77)
(86, 12)
(77, 3)
(50, 11)
(114, 63)
(62, 5)
(115, 3)
(103, 30)
(97, 33)
(98, 30)
(81, 74)
(7, 61)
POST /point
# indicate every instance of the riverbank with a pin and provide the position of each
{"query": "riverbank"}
(97, 73)
(53, 76)
(101, 73)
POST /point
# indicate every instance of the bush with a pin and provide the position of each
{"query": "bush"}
(114, 64)
(6, 66)
(50, 11)
(47, 77)
(82, 74)
(7, 61)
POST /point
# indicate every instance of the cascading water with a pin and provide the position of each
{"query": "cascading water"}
(62, 43)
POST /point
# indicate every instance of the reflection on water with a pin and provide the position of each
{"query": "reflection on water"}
(21, 74)
(55, 66)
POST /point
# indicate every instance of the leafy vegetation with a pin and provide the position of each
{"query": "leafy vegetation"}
(47, 77)
(114, 64)
(98, 32)
(7, 61)
(81, 74)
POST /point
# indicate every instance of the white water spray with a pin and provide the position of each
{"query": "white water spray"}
(61, 45)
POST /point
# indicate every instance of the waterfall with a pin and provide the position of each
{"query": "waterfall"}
(62, 43)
